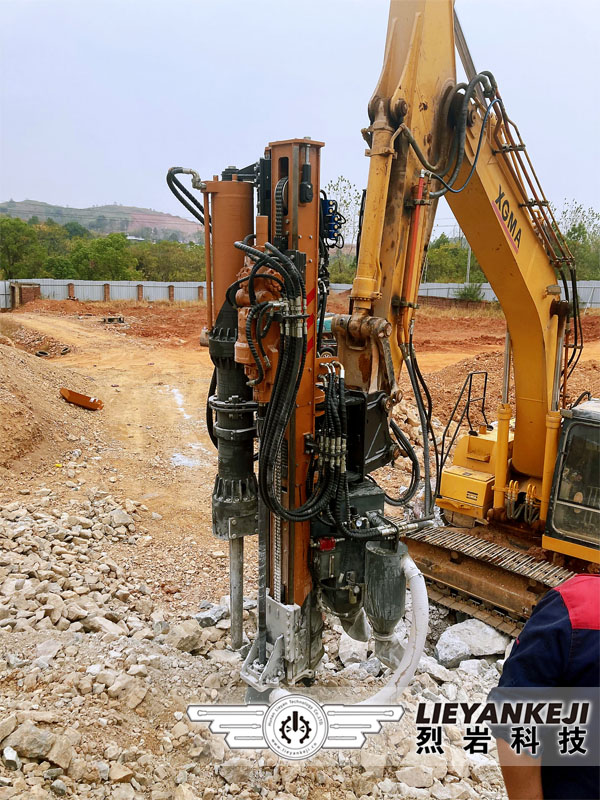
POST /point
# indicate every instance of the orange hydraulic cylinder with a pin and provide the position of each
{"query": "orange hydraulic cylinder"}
(232, 219)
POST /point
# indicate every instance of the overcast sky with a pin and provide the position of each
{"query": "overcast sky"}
(100, 97)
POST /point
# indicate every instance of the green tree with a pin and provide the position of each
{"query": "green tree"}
(170, 261)
(52, 238)
(470, 291)
(447, 262)
(76, 230)
(441, 240)
(16, 241)
(33, 220)
(99, 224)
(342, 268)
(105, 258)
(60, 267)
(581, 228)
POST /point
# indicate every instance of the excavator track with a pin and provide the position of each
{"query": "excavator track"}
(481, 578)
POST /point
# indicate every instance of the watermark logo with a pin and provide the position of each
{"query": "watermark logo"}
(295, 727)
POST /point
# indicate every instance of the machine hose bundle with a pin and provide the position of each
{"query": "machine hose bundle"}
(290, 311)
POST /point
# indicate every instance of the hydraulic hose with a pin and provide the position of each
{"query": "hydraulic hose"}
(195, 208)
(409, 493)
(448, 187)
(462, 124)
(209, 412)
(423, 421)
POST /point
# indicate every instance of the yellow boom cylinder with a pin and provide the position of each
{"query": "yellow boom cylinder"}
(550, 451)
(367, 283)
(504, 416)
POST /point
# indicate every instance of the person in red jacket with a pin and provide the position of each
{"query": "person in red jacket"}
(558, 647)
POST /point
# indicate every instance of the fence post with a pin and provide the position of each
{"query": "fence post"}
(140, 291)
(171, 293)
(71, 291)
(201, 293)
(106, 292)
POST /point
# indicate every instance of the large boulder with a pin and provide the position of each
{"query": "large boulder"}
(469, 638)
(186, 636)
(30, 741)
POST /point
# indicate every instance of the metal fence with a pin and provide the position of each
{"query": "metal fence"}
(4, 294)
(588, 291)
(187, 291)
(118, 290)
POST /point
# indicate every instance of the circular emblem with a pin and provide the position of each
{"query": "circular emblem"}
(295, 727)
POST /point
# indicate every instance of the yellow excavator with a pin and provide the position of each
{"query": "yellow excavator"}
(510, 508)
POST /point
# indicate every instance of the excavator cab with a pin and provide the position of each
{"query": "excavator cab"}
(573, 523)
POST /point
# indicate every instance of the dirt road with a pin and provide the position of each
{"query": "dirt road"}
(158, 449)
(154, 384)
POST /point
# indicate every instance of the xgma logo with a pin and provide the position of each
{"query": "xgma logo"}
(508, 219)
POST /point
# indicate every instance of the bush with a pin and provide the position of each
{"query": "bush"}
(470, 291)
(342, 268)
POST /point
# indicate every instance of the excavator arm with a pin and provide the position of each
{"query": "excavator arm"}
(430, 137)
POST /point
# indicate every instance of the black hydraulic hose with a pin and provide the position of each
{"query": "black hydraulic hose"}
(404, 443)
(314, 505)
(195, 208)
(323, 294)
(462, 128)
(431, 432)
(209, 412)
(254, 273)
(271, 442)
(290, 367)
(440, 169)
(282, 373)
(290, 264)
(309, 509)
(262, 332)
(255, 311)
(258, 255)
(423, 420)
(232, 289)
(448, 187)
(456, 155)
(587, 395)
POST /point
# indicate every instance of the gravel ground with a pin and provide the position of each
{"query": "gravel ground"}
(95, 678)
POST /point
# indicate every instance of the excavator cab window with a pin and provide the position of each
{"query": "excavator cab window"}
(576, 512)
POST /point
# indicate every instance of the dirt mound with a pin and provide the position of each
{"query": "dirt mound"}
(34, 419)
(445, 385)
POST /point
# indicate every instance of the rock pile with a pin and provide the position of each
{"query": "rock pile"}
(95, 679)
(55, 573)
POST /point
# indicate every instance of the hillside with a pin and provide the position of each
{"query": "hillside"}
(108, 219)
